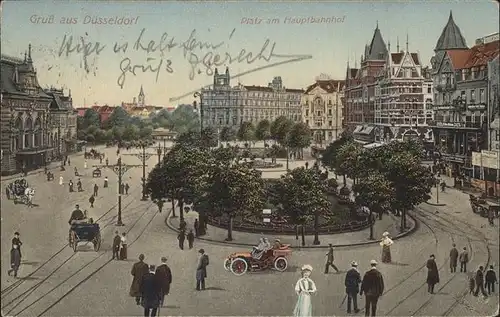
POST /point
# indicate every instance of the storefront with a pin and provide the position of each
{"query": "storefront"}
(486, 172)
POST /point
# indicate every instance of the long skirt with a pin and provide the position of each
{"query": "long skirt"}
(123, 252)
(303, 307)
(386, 254)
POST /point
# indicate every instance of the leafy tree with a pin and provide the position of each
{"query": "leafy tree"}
(235, 191)
(347, 161)
(130, 132)
(280, 129)
(224, 155)
(184, 118)
(303, 197)
(209, 137)
(263, 130)
(188, 139)
(329, 155)
(375, 192)
(91, 118)
(118, 118)
(118, 133)
(299, 137)
(246, 131)
(145, 132)
(227, 134)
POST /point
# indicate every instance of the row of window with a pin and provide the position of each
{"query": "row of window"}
(248, 102)
(469, 96)
(319, 113)
(237, 120)
(214, 112)
(320, 123)
(208, 94)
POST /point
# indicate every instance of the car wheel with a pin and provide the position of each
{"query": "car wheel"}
(280, 264)
(239, 266)
(227, 264)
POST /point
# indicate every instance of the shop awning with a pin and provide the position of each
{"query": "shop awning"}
(366, 130)
(358, 128)
(33, 151)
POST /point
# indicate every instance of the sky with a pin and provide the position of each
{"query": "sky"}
(70, 51)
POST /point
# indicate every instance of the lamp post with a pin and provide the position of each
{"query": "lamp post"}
(195, 106)
(120, 170)
(158, 151)
(143, 156)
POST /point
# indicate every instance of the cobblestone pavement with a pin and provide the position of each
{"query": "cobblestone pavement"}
(104, 293)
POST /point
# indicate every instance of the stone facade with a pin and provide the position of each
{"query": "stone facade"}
(29, 117)
(223, 105)
(494, 104)
(322, 109)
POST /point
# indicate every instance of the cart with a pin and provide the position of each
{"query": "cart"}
(85, 232)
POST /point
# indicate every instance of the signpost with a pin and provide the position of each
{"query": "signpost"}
(266, 215)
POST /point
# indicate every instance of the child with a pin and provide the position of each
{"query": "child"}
(472, 283)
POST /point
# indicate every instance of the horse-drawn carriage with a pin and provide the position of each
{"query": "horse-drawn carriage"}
(93, 154)
(241, 262)
(482, 207)
(84, 231)
(20, 192)
(96, 173)
(50, 176)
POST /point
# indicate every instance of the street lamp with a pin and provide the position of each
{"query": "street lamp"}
(143, 156)
(158, 152)
(195, 106)
(120, 170)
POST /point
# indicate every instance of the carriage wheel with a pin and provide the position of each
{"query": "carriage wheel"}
(280, 264)
(239, 266)
(97, 242)
(74, 240)
(227, 264)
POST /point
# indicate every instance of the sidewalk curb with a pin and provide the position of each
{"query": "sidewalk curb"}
(399, 236)
(434, 204)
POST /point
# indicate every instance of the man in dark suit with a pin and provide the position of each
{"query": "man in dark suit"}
(373, 287)
(17, 241)
(329, 259)
(352, 280)
(150, 293)
(201, 270)
(116, 246)
(164, 276)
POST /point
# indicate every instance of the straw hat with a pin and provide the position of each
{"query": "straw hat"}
(385, 234)
(307, 267)
(354, 263)
(373, 262)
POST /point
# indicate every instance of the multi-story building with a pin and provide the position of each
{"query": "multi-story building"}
(322, 109)
(460, 79)
(403, 98)
(139, 108)
(223, 105)
(359, 92)
(28, 139)
(494, 104)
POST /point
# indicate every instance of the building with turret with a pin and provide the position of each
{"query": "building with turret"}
(225, 105)
(37, 125)
(138, 106)
(460, 80)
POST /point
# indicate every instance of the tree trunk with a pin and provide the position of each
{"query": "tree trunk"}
(303, 233)
(230, 229)
(402, 229)
(404, 218)
(372, 221)
(181, 210)
(296, 232)
(380, 214)
(345, 180)
(316, 229)
(173, 207)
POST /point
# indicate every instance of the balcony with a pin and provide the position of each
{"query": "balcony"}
(447, 87)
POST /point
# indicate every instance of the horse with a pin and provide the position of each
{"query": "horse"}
(29, 194)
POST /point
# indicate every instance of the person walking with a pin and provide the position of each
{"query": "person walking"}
(164, 276)
(123, 246)
(491, 280)
(91, 201)
(85, 164)
(69, 161)
(479, 278)
(79, 185)
(352, 281)
(201, 270)
(386, 244)
(61, 180)
(373, 287)
(107, 161)
(190, 238)
(17, 241)
(304, 287)
(106, 182)
(329, 259)
(122, 189)
(96, 190)
(70, 184)
(116, 246)
(464, 259)
(150, 292)
(196, 228)
(453, 258)
(181, 237)
(127, 187)
(15, 260)
(432, 274)
(138, 271)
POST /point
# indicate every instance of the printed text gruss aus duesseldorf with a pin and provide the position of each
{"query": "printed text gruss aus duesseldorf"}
(294, 20)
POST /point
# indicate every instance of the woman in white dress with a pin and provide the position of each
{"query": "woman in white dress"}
(61, 180)
(304, 288)
(386, 247)
(85, 164)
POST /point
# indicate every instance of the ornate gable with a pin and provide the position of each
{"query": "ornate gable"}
(446, 66)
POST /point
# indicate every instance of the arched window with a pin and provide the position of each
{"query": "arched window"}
(37, 130)
(18, 138)
(28, 132)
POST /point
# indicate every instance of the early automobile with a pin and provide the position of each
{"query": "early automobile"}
(84, 231)
(96, 173)
(274, 258)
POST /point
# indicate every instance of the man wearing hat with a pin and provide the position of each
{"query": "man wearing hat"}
(164, 276)
(329, 259)
(373, 287)
(201, 270)
(150, 293)
(352, 280)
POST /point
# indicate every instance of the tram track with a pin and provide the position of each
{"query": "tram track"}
(9, 289)
(87, 276)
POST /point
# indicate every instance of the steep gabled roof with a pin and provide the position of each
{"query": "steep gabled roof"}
(481, 54)
(458, 58)
(330, 86)
(377, 49)
(397, 57)
(451, 38)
